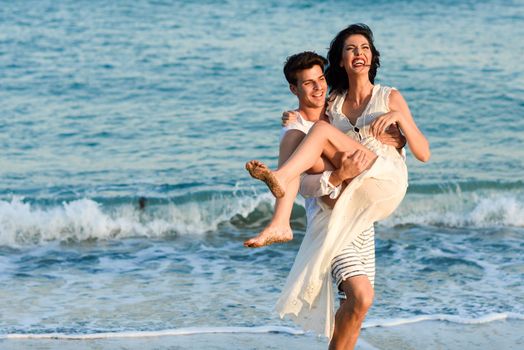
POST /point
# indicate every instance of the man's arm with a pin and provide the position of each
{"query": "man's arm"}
(288, 145)
(330, 183)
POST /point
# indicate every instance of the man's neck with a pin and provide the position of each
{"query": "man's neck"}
(311, 114)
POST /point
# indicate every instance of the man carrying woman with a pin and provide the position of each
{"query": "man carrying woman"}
(359, 113)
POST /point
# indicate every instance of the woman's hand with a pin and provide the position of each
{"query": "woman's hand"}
(393, 137)
(381, 124)
(289, 117)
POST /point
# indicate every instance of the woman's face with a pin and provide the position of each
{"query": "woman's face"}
(356, 55)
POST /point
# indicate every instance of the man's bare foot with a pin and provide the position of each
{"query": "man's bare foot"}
(270, 235)
(260, 171)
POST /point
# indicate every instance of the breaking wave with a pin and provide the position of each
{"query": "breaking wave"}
(29, 221)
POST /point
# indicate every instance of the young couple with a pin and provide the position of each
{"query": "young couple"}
(345, 155)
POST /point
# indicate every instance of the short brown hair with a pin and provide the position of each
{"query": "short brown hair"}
(301, 61)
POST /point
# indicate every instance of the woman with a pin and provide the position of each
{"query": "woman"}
(363, 111)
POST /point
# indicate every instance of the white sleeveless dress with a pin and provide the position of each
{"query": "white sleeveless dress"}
(308, 296)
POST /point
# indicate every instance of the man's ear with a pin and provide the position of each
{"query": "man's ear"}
(293, 89)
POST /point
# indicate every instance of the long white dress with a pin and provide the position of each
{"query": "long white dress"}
(307, 296)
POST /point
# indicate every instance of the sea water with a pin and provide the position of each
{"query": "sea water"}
(125, 126)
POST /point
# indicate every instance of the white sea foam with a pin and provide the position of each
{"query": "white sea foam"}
(442, 317)
(22, 222)
(458, 209)
(161, 333)
(260, 329)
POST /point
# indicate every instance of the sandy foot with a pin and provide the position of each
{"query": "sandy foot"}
(260, 171)
(270, 235)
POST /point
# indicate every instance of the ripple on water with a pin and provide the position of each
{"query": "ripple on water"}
(459, 269)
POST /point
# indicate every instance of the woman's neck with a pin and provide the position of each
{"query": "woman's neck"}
(359, 88)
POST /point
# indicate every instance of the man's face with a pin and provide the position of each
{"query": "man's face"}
(311, 87)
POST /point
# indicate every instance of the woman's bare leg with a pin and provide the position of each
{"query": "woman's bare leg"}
(323, 139)
(278, 230)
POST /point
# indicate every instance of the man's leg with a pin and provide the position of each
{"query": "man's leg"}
(352, 312)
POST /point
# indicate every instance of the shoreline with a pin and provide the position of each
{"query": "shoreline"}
(426, 334)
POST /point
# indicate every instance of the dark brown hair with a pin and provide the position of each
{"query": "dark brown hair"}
(336, 76)
(301, 61)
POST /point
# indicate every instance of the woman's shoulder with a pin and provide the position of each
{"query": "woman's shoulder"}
(396, 100)
(389, 95)
(385, 89)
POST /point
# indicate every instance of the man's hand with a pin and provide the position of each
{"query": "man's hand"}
(351, 165)
(289, 117)
(393, 137)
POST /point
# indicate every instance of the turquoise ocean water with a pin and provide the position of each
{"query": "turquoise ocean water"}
(105, 103)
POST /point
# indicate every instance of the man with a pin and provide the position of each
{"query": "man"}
(321, 186)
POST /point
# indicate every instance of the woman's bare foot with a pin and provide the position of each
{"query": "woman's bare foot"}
(260, 171)
(270, 235)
